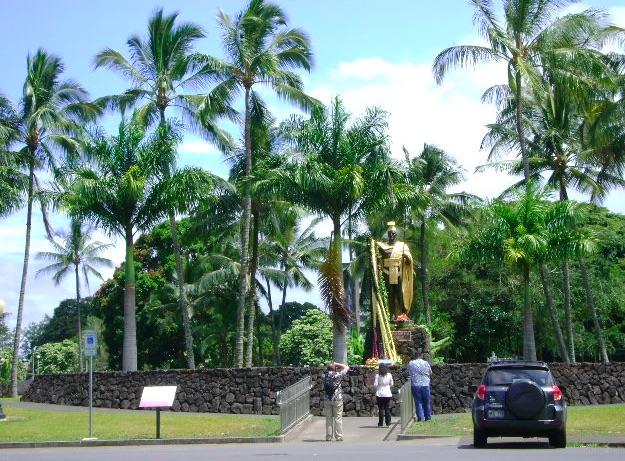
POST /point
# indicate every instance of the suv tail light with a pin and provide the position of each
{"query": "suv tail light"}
(557, 393)
(481, 392)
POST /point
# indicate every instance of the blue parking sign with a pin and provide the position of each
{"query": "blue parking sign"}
(91, 343)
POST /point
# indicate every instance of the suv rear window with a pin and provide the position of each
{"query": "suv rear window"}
(505, 376)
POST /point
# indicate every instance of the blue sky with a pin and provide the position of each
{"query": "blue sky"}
(369, 52)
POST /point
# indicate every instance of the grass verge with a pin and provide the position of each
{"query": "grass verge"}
(39, 426)
(595, 420)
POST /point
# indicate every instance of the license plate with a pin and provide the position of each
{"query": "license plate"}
(495, 414)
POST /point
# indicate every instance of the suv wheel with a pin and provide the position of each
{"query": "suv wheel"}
(558, 439)
(480, 438)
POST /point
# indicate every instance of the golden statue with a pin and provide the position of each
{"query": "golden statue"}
(397, 266)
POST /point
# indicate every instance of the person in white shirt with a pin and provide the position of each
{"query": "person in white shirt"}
(382, 384)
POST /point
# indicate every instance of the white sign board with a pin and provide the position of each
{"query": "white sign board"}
(91, 343)
(157, 396)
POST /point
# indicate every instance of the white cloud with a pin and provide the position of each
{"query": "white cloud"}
(197, 147)
(450, 116)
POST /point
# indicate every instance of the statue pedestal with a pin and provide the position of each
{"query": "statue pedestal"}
(410, 340)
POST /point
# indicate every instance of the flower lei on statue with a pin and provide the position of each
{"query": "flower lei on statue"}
(380, 316)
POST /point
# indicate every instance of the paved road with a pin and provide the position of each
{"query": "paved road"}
(302, 451)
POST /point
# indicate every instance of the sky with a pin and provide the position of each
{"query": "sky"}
(371, 53)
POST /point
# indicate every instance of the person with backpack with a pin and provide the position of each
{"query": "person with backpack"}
(333, 400)
(382, 385)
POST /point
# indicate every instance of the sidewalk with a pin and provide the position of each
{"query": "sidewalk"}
(355, 430)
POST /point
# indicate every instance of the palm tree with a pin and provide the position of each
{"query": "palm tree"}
(49, 120)
(515, 233)
(121, 194)
(556, 118)
(328, 177)
(76, 251)
(13, 182)
(432, 173)
(260, 50)
(571, 241)
(530, 36)
(295, 249)
(160, 67)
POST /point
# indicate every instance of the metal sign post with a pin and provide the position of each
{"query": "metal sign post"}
(90, 350)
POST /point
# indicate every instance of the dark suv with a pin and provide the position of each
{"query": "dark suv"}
(519, 399)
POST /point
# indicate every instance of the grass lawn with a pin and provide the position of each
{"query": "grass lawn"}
(36, 426)
(602, 420)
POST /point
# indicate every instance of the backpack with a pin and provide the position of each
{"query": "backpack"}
(331, 384)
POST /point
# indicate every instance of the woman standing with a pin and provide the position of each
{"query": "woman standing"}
(382, 384)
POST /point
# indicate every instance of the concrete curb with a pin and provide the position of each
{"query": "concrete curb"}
(421, 437)
(138, 442)
(403, 437)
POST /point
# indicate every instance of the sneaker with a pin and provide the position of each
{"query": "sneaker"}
(328, 439)
(340, 439)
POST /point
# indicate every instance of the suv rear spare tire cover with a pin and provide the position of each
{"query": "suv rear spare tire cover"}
(525, 399)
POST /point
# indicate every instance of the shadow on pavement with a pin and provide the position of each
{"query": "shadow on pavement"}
(508, 445)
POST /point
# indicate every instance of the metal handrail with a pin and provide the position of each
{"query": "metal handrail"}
(294, 402)
(406, 406)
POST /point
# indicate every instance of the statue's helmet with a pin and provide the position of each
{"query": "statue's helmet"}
(391, 226)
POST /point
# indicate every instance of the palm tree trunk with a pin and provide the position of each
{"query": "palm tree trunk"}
(129, 353)
(274, 328)
(568, 314)
(425, 282)
(519, 126)
(339, 334)
(79, 317)
(352, 280)
(183, 301)
(590, 301)
(252, 293)
(529, 343)
(259, 339)
(282, 316)
(20, 304)
(245, 237)
(553, 313)
(357, 290)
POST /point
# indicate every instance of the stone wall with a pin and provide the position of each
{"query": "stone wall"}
(22, 387)
(253, 390)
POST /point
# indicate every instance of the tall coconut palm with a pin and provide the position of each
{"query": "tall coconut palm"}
(328, 177)
(261, 50)
(162, 67)
(49, 121)
(433, 172)
(75, 252)
(265, 144)
(529, 35)
(556, 118)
